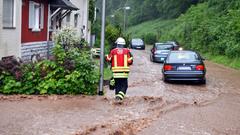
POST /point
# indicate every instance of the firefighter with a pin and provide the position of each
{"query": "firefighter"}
(120, 59)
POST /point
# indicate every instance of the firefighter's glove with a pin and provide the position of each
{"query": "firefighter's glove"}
(112, 82)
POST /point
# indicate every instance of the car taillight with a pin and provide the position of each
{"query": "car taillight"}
(154, 50)
(167, 67)
(200, 67)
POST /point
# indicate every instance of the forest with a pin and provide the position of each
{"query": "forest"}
(211, 27)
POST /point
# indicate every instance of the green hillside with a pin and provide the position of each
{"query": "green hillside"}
(212, 28)
(155, 26)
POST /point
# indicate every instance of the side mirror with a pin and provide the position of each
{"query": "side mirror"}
(152, 50)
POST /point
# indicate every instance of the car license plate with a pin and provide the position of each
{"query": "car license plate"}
(138, 47)
(184, 68)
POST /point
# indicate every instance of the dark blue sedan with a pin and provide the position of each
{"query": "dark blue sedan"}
(184, 65)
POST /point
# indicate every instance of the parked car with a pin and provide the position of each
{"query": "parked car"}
(184, 65)
(137, 43)
(175, 44)
(96, 52)
(160, 51)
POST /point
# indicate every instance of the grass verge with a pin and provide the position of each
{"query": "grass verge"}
(107, 71)
(233, 63)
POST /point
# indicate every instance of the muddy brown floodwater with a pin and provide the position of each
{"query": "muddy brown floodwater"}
(152, 107)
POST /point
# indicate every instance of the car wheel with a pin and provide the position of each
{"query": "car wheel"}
(151, 59)
(164, 79)
(203, 81)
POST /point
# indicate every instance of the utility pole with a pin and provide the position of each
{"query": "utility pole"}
(100, 91)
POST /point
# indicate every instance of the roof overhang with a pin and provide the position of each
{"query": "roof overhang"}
(64, 4)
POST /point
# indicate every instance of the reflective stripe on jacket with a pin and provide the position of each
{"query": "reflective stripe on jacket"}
(120, 59)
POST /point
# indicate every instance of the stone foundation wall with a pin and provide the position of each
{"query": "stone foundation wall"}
(28, 50)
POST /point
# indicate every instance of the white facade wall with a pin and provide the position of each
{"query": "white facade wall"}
(83, 27)
(10, 39)
(1, 47)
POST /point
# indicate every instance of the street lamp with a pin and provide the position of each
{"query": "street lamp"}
(124, 21)
(127, 8)
(112, 19)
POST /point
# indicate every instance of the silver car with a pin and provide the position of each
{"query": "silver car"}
(160, 51)
(137, 43)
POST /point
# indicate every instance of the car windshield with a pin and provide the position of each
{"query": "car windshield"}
(164, 47)
(137, 41)
(179, 57)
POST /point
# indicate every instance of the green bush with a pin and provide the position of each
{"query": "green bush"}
(210, 27)
(112, 33)
(70, 72)
(208, 30)
(150, 38)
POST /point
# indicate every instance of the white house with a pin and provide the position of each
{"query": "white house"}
(10, 27)
(1, 47)
(26, 26)
(78, 19)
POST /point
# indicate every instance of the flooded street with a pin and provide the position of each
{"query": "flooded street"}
(151, 107)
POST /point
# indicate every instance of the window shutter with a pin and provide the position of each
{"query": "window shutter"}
(31, 15)
(42, 17)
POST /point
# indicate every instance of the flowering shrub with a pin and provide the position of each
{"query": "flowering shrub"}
(68, 37)
(70, 72)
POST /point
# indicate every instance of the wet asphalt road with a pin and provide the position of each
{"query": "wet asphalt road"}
(152, 107)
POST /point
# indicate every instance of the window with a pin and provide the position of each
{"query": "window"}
(68, 18)
(36, 16)
(75, 20)
(179, 57)
(8, 14)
